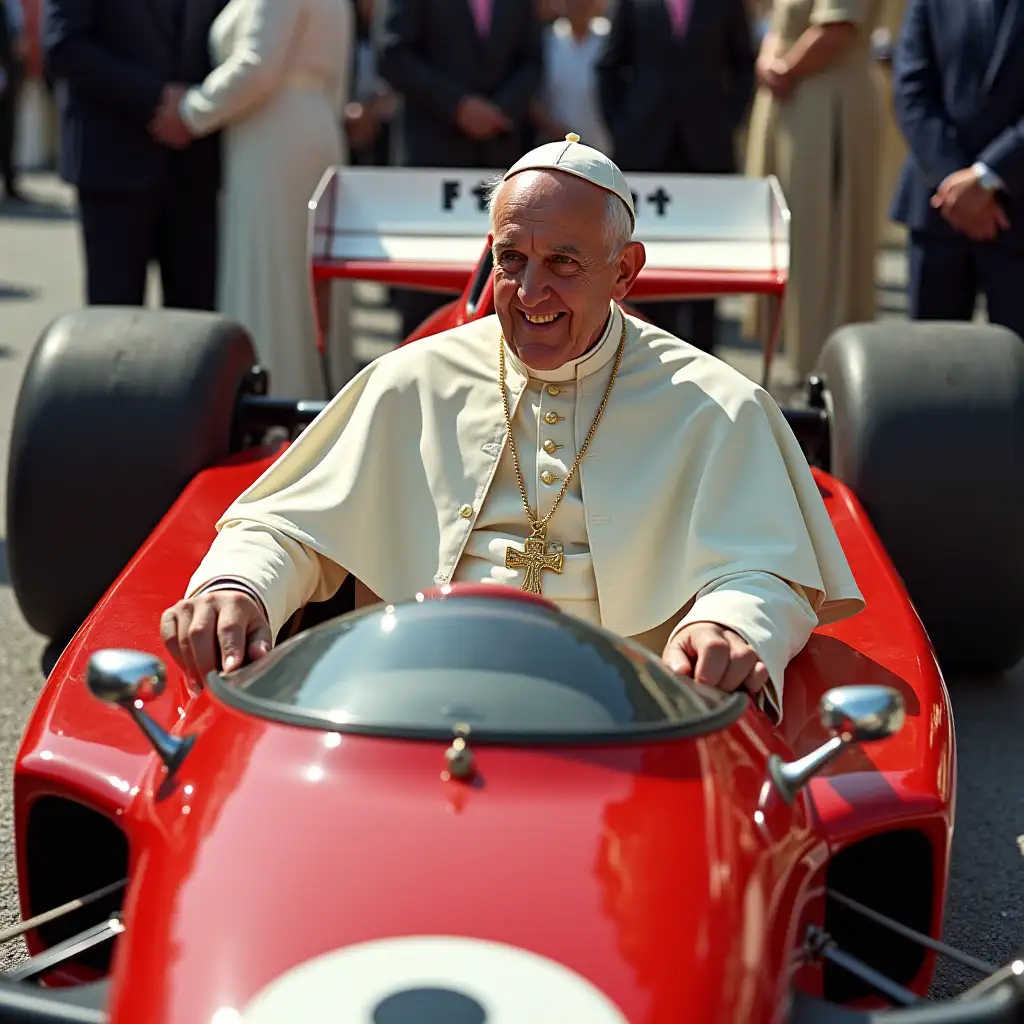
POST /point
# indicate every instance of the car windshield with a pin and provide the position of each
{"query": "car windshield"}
(513, 672)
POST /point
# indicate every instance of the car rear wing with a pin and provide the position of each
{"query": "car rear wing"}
(426, 229)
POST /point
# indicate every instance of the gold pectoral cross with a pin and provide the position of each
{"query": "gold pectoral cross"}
(535, 558)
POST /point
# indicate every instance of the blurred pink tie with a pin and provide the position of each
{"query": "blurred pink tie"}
(679, 15)
(481, 16)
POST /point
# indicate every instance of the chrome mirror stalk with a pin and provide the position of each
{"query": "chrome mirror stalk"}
(853, 715)
(129, 679)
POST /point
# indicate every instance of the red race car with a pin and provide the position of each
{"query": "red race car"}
(471, 808)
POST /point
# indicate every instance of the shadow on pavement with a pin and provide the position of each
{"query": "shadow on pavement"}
(16, 291)
(5, 576)
(35, 211)
(892, 299)
(893, 248)
(51, 653)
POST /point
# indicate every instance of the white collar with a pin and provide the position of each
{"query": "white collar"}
(594, 359)
(562, 29)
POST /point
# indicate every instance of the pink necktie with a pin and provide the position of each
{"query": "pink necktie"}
(481, 16)
(679, 14)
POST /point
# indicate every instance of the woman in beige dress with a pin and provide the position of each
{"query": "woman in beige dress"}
(817, 125)
(278, 92)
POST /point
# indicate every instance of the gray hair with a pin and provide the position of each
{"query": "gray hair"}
(618, 225)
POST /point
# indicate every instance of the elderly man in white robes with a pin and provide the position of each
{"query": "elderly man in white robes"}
(559, 446)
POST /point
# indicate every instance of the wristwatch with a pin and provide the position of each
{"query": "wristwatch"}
(987, 178)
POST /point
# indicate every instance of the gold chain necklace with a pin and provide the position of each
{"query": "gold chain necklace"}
(536, 556)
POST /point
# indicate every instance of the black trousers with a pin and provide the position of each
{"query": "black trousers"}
(695, 321)
(8, 121)
(174, 226)
(946, 274)
(415, 307)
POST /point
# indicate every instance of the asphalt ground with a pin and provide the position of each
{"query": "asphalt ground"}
(40, 278)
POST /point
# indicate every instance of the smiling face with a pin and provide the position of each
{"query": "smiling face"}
(554, 275)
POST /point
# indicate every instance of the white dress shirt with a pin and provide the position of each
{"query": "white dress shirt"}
(570, 90)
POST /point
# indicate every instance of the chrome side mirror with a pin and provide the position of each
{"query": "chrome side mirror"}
(123, 677)
(864, 714)
(853, 715)
(129, 679)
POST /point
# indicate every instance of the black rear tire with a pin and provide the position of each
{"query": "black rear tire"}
(927, 428)
(118, 410)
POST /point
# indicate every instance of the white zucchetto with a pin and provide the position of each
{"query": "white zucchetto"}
(571, 157)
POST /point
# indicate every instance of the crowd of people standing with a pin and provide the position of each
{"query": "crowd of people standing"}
(195, 131)
(13, 49)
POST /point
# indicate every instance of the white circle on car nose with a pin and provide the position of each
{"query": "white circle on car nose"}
(431, 979)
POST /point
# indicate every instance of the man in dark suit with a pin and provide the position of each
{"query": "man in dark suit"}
(676, 79)
(467, 71)
(115, 63)
(958, 82)
(12, 71)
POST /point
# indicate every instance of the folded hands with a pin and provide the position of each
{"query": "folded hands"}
(167, 125)
(968, 207)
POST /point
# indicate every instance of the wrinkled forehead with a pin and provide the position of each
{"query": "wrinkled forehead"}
(547, 210)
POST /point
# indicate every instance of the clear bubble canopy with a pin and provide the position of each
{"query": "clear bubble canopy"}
(513, 671)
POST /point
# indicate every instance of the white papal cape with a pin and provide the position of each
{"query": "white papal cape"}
(694, 502)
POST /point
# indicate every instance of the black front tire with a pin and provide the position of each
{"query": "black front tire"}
(118, 410)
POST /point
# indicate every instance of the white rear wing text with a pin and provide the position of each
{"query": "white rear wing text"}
(704, 234)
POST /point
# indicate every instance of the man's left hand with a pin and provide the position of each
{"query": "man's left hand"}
(968, 207)
(167, 125)
(715, 656)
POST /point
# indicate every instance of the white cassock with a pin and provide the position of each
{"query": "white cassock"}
(694, 502)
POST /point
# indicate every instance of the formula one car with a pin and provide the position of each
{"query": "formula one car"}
(470, 807)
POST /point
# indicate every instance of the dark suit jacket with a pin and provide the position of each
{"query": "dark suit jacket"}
(11, 65)
(6, 39)
(5, 34)
(431, 54)
(958, 85)
(662, 94)
(110, 60)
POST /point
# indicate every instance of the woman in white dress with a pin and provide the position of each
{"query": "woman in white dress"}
(277, 92)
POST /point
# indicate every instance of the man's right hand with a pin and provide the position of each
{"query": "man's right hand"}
(218, 628)
(480, 119)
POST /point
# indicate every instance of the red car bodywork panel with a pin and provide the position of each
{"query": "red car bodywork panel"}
(590, 871)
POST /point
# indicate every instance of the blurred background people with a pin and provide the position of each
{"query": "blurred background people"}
(278, 91)
(569, 98)
(467, 72)
(12, 70)
(140, 199)
(369, 113)
(676, 82)
(959, 98)
(817, 124)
